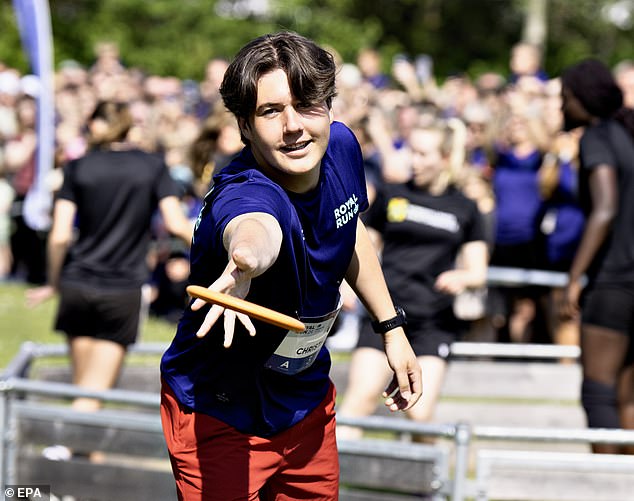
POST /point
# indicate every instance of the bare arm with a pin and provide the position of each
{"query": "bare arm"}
(59, 240)
(405, 73)
(538, 132)
(366, 278)
(395, 164)
(175, 221)
(548, 175)
(605, 199)
(253, 240)
(19, 151)
(471, 271)
(253, 243)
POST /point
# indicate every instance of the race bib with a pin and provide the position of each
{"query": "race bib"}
(298, 350)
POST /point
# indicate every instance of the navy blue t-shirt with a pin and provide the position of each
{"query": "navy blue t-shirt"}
(235, 384)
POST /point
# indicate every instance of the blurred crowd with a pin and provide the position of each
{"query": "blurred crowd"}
(508, 151)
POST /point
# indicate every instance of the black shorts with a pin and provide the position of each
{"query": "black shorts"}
(107, 314)
(610, 306)
(501, 298)
(429, 337)
(525, 255)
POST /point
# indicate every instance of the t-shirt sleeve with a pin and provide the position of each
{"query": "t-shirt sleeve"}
(243, 198)
(357, 160)
(344, 145)
(374, 216)
(165, 185)
(67, 190)
(475, 229)
(595, 148)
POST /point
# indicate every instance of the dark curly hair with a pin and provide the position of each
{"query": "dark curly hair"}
(593, 84)
(311, 71)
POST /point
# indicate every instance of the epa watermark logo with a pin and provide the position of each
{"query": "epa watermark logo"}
(31, 492)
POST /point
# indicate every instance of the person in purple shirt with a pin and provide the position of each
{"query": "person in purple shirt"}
(248, 408)
(518, 158)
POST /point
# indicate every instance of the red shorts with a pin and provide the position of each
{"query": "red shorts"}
(213, 461)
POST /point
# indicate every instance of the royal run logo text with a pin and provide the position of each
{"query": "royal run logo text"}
(346, 211)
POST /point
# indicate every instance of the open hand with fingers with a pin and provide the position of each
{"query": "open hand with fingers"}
(406, 386)
(38, 295)
(253, 243)
(232, 282)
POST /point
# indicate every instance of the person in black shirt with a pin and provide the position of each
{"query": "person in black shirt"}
(592, 99)
(107, 198)
(424, 225)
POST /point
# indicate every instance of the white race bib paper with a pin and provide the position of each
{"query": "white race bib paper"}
(298, 350)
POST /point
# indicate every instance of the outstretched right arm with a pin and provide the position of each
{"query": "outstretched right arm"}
(253, 242)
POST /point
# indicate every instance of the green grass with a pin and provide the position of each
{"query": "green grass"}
(19, 324)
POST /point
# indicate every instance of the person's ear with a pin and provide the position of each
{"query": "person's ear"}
(245, 129)
(331, 115)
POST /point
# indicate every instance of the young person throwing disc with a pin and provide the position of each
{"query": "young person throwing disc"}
(248, 407)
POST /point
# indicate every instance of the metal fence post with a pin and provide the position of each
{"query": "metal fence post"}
(3, 430)
(483, 472)
(11, 436)
(461, 466)
(8, 433)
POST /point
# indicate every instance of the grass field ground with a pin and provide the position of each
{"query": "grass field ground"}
(19, 324)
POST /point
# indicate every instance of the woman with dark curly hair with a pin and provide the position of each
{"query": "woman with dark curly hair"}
(592, 99)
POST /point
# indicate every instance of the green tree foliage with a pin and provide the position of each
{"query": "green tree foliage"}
(459, 35)
(177, 37)
(163, 37)
(580, 29)
(11, 52)
(329, 22)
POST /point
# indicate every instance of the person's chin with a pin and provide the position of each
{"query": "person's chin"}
(299, 165)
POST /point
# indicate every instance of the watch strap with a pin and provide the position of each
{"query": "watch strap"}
(391, 323)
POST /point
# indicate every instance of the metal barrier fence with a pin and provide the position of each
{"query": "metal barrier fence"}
(15, 384)
(517, 277)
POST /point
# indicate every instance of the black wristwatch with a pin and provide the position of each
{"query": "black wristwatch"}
(392, 323)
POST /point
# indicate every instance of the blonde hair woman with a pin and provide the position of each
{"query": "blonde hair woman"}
(424, 224)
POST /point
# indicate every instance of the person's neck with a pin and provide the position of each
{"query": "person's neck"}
(436, 187)
(296, 183)
(120, 146)
(523, 148)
